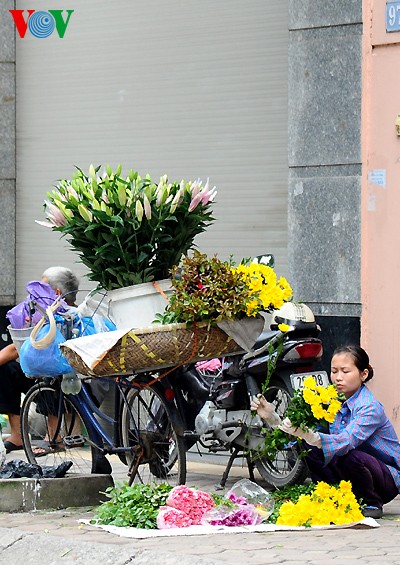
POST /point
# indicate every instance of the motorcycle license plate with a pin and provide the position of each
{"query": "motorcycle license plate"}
(321, 378)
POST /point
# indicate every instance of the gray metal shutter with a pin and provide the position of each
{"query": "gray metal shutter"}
(188, 88)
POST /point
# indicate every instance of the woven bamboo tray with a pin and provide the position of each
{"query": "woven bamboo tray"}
(157, 347)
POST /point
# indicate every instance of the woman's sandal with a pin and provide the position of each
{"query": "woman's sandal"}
(47, 449)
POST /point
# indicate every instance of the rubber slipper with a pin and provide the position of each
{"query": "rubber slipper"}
(10, 446)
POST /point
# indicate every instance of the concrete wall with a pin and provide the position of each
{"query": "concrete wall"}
(380, 206)
(7, 164)
(7, 154)
(325, 55)
(190, 89)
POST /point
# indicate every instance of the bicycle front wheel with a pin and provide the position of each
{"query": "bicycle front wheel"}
(53, 430)
(157, 451)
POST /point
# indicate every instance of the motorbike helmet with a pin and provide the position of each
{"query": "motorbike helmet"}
(294, 314)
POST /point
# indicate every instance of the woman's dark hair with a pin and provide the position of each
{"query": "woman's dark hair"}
(361, 359)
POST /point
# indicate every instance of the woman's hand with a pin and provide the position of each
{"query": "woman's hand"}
(310, 437)
(265, 410)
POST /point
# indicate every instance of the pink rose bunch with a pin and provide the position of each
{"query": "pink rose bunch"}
(185, 507)
(169, 517)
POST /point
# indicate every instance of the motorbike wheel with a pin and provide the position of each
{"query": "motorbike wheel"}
(286, 468)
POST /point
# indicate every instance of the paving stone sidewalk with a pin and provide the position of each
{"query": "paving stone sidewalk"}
(57, 537)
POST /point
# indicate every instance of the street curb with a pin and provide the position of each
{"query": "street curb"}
(25, 495)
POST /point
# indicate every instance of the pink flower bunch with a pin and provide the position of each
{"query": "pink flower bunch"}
(201, 194)
(239, 515)
(187, 502)
(236, 499)
(169, 517)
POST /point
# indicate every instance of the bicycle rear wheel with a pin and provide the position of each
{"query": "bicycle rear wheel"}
(157, 451)
(53, 430)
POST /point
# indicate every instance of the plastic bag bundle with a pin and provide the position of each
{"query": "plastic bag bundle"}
(21, 316)
(253, 494)
(47, 362)
(46, 359)
(94, 308)
(17, 469)
(234, 515)
(247, 504)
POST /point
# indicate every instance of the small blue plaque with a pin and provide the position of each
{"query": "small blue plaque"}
(392, 16)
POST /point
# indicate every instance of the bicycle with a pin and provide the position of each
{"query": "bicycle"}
(146, 432)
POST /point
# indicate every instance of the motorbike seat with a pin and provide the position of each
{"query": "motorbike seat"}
(264, 337)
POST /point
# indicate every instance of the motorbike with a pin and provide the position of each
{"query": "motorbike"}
(213, 400)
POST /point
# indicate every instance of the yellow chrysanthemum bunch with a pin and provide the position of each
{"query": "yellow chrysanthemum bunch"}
(309, 408)
(324, 401)
(207, 288)
(326, 505)
(262, 282)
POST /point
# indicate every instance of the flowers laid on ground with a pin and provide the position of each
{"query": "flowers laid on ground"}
(233, 510)
(165, 507)
(128, 230)
(325, 505)
(207, 288)
(135, 505)
(184, 507)
(310, 407)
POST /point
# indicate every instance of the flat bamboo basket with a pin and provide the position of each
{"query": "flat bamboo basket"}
(157, 347)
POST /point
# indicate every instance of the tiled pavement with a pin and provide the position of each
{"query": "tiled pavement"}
(57, 537)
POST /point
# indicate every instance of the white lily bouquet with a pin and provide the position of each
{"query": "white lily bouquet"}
(128, 230)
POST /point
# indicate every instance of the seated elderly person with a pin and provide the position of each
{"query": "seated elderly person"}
(14, 382)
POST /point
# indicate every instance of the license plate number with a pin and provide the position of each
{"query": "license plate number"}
(321, 378)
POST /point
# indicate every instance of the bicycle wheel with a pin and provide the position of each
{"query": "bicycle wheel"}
(157, 450)
(53, 430)
(286, 468)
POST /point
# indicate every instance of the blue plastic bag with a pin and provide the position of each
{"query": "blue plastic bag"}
(88, 326)
(47, 362)
(50, 362)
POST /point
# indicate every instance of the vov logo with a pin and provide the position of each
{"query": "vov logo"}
(41, 24)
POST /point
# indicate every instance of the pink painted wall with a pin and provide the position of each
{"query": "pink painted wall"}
(380, 333)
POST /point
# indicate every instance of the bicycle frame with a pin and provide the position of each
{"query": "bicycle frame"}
(89, 410)
(105, 443)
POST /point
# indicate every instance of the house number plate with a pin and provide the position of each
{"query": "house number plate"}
(392, 16)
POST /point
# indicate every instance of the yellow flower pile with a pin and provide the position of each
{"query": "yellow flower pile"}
(262, 282)
(326, 505)
(324, 401)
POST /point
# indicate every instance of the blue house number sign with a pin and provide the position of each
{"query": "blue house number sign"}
(392, 16)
